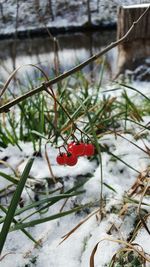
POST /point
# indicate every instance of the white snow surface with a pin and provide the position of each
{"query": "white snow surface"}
(59, 14)
(137, 6)
(76, 250)
(142, 238)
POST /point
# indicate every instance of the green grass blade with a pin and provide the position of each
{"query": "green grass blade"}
(77, 186)
(46, 219)
(39, 134)
(23, 230)
(46, 200)
(110, 187)
(75, 114)
(141, 125)
(12, 139)
(55, 200)
(14, 202)
(128, 87)
(43, 208)
(9, 178)
(131, 200)
(134, 89)
(96, 143)
(125, 163)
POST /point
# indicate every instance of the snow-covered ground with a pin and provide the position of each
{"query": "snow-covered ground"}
(57, 13)
(75, 251)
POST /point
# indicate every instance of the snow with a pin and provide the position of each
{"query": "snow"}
(137, 6)
(61, 14)
(76, 250)
(142, 237)
(40, 168)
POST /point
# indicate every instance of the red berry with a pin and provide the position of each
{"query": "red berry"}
(71, 159)
(70, 145)
(89, 150)
(61, 159)
(77, 149)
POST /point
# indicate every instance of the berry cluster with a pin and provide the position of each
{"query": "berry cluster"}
(75, 150)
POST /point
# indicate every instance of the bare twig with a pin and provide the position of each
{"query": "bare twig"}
(6, 107)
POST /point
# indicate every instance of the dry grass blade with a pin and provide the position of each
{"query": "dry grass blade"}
(45, 76)
(128, 245)
(14, 73)
(62, 207)
(92, 255)
(139, 207)
(7, 165)
(147, 148)
(9, 253)
(136, 136)
(134, 144)
(137, 187)
(78, 225)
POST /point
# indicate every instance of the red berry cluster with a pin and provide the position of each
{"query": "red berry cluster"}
(75, 150)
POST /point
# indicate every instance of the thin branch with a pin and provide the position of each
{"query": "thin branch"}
(6, 107)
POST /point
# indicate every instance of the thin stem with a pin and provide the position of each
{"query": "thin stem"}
(132, 143)
(49, 165)
(139, 208)
(66, 112)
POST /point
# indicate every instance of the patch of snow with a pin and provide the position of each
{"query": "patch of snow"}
(76, 250)
(142, 238)
(137, 6)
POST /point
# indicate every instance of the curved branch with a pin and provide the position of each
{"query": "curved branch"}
(6, 107)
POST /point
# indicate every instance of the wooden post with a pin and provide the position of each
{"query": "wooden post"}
(137, 46)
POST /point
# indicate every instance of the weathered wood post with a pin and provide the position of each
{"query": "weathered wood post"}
(136, 47)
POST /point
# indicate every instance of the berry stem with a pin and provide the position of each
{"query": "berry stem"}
(65, 111)
(49, 164)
